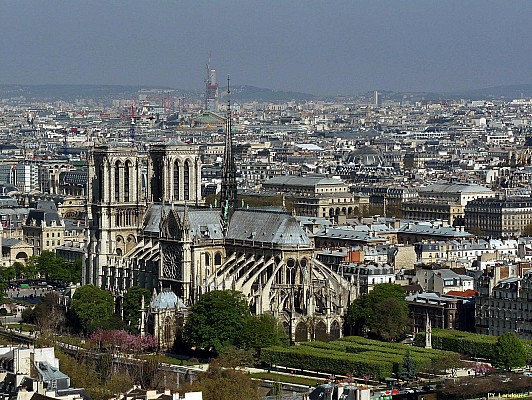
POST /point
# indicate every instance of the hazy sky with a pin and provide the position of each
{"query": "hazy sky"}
(320, 47)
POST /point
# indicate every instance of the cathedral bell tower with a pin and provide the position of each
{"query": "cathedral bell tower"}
(116, 204)
(174, 173)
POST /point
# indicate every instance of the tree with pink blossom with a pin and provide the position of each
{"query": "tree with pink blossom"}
(116, 340)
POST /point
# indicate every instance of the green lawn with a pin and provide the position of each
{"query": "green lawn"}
(23, 327)
(298, 380)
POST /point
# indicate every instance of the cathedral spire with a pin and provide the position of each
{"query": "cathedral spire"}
(228, 194)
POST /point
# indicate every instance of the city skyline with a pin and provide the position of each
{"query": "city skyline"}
(321, 49)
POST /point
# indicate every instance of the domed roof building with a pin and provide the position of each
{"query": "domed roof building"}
(362, 163)
(365, 156)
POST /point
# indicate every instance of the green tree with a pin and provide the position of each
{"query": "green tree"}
(50, 266)
(509, 352)
(232, 357)
(92, 308)
(217, 320)
(48, 263)
(20, 270)
(446, 363)
(477, 231)
(527, 230)
(261, 331)
(221, 383)
(8, 274)
(392, 320)
(407, 370)
(78, 371)
(382, 312)
(75, 271)
(49, 314)
(132, 304)
(31, 271)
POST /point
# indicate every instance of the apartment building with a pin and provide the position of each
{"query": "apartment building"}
(499, 218)
(319, 196)
(444, 201)
(365, 276)
(455, 310)
(504, 305)
(442, 281)
(44, 229)
(464, 250)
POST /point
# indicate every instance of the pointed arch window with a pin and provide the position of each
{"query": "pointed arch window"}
(101, 188)
(117, 181)
(126, 181)
(186, 181)
(176, 180)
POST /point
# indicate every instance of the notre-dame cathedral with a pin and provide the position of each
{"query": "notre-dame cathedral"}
(148, 226)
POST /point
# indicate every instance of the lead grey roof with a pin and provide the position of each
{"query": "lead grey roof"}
(456, 187)
(75, 177)
(167, 299)
(303, 220)
(426, 229)
(10, 242)
(349, 233)
(17, 211)
(304, 181)
(45, 205)
(205, 224)
(425, 298)
(268, 227)
(42, 215)
(49, 372)
(153, 217)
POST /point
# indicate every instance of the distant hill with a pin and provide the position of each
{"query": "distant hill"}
(244, 93)
(252, 93)
(100, 93)
(109, 92)
(508, 92)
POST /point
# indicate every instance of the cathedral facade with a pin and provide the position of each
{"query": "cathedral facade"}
(149, 227)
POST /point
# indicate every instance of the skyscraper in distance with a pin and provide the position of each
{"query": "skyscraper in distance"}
(211, 89)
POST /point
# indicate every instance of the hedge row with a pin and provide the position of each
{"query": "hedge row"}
(330, 361)
(363, 344)
(378, 354)
(473, 344)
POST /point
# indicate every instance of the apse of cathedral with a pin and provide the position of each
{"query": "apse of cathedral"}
(149, 227)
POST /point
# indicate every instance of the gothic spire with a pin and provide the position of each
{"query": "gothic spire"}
(228, 192)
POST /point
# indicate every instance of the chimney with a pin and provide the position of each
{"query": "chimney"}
(496, 274)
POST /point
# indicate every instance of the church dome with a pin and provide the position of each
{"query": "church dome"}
(366, 156)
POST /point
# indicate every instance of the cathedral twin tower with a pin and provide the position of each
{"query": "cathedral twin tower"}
(122, 184)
